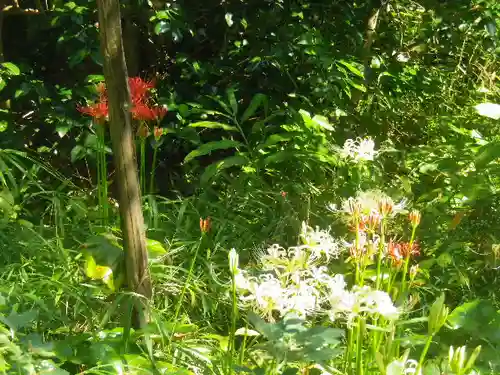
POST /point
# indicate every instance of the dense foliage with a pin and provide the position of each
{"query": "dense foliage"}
(320, 184)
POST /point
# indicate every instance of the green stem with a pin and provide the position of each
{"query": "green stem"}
(424, 353)
(183, 292)
(234, 317)
(350, 344)
(143, 164)
(407, 260)
(359, 345)
(153, 168)
(380, 252)
(102, 183)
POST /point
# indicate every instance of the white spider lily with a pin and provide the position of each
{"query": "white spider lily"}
(359, 150)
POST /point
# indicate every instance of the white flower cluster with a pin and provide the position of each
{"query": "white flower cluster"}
(292, 281)
(359, 150)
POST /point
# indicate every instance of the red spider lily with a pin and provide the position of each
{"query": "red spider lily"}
(139, 89)
(99, 110)
(399, 251)
(410, 251)
(145, 113)
(205, 224)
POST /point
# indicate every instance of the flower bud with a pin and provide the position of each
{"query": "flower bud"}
(158, 132)
(385, 206)
(415, 217)
(143, 131)
(233, 261)
(205, 225)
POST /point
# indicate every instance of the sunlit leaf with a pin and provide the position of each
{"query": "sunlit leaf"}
(246, 332)
(11, 68)
(162, 27)
(490, 110)
(352, 68)
(229, 19)
(213, 125)
(208, 147)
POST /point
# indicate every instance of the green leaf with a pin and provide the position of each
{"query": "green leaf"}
(211, 146)
(322, 121)
(277, 138)
(232, 101)
(216, 167)
(162, 27)
(77, 153)
(257, 101)
(94, 78)
(352, 68)
(96, 272)
(12, 68)
(16, 321)
(2, 83)
(396, 367)
(155, 249)
(3, 125)
(213, 125)
(487, 154)
(468, 312)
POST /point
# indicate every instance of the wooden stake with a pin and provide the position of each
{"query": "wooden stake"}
(122, 137)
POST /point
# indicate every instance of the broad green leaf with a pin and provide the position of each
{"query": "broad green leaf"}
(211, 146)
(463, 314)
(278, 138)
(155, 249)
(257, 101)
(3, 125)
(216, 167)
(48, 367)
(487, 154)
(105, 249)
(12, 68)
(95, 78)
(6, 201)
(323, 122)
(162, 27)
(97, 272)
(16, 321)
(77, 153)
(358, 86)
(2, 83)
(352, 68)
(279, 157)
(213, 125)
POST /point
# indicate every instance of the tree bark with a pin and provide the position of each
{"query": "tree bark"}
(129, 194)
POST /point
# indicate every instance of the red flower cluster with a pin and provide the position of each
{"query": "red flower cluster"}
(139, 94)
(399, 251)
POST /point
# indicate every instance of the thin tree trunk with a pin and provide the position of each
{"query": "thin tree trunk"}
(366, 54)
(129, 195)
